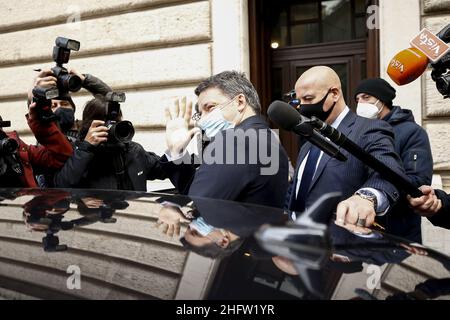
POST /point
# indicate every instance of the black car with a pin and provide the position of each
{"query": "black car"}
(93, 244)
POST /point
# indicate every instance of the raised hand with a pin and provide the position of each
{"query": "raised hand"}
(178, 134)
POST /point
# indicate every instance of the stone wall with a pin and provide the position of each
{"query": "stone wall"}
(436, 110)
(435, 14)
(421, 96)
(154, 50)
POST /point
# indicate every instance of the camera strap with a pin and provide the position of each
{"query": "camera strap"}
(10, 172)
(12, 162)
(119, 168)
(118, 165)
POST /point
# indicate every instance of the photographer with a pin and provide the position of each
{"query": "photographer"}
(65, 109)
(20, 163)
(100, 162)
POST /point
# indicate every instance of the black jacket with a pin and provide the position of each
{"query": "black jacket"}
(92, 168)
(234, 181)
(413, 147)
(95, 86)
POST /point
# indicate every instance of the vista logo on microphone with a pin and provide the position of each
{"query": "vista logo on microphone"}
(397, 65)
(407, 66)
(430, 44)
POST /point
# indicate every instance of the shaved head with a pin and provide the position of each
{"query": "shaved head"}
(315, 83)
(320, 78)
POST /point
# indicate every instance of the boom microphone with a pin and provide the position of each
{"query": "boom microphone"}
(398, 180)
(289, 119)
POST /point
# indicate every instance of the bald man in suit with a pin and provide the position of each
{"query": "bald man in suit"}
(365, 194)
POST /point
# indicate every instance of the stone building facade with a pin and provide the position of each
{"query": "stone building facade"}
(435, 15)
(154, 50)
(158, 50)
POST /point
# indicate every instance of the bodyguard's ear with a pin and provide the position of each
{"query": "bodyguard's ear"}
(336, 93)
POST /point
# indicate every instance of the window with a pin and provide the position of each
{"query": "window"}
(309, 22)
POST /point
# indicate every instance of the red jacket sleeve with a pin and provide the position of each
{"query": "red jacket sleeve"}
(54, 148)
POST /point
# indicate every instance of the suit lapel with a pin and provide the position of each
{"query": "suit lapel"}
(322, 164)
(345, 127)
(302, 154)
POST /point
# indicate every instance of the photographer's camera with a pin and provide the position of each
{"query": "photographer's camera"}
(119, 131)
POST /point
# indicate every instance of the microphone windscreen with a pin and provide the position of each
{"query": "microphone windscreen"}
(407, 66)
(283, 115)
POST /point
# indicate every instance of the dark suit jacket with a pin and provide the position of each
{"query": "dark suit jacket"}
(237, 182)
(374, 136)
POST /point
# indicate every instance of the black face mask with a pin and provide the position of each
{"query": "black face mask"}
(316, 109)
(66, 118)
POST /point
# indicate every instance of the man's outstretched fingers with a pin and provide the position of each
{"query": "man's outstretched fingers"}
(177, 229)
(182, 110)
(170, 230)
(175, 109)
(188, 113)
(167, 113)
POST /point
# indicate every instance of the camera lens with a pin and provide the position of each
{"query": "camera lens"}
(70, 82)
(122, 131)
(8, 146)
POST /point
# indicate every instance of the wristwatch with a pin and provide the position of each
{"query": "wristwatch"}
(368, 195)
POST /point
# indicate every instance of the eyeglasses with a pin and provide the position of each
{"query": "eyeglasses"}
(197, 116)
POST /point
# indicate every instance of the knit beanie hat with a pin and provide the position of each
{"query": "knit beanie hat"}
(378, 88)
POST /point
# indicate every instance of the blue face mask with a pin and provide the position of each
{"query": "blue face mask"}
(213, 123)
(201, 226)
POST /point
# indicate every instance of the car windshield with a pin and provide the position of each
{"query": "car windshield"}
(94, 244)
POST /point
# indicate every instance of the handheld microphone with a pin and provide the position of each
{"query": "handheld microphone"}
(407, 66)
(289, 119)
